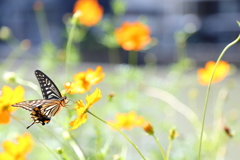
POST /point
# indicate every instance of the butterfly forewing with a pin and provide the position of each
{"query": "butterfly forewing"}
(49, 89)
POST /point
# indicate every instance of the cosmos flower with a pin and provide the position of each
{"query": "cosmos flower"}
(8, 97)
(84, 80)
(133, 36)
(90, 12)
(18, 150)
(127, 120)
(204, 74)
(82, 108)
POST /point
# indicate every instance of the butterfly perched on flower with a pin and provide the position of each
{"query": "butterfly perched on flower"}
(52, 102)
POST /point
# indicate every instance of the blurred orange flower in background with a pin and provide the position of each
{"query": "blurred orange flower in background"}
(19, 150)
(127, 120)
(90, 12)
(9, 97)
(133, 36)
(84, 80)
(204, 74)
(81, 108)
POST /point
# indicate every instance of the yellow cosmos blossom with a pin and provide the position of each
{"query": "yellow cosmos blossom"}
(91, 12)
(127, 120)
(81, 108)
(19, 150)
(204, 74)
(84, 80)
(9, 97)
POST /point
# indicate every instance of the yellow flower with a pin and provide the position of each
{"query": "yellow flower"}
(127, 120)
(81, 108)
(133, 36)
(84, 80)
(90, 12)
(221, 72)
(9, 97)
(19, 150)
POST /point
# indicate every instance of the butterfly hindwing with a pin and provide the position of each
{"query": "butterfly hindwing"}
(49, 89)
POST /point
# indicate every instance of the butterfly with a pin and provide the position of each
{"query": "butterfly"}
(43, 109)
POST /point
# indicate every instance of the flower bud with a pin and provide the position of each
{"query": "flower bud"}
(147, 127)
(10, 77)
(172, 134)
(110, 96)
(59, 150)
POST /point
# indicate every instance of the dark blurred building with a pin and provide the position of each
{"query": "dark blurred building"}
(214, 21)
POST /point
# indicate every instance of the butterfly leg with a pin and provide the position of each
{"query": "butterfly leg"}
(31, 124)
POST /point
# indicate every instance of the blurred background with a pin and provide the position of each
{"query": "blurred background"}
(185, 34)
(210, 24)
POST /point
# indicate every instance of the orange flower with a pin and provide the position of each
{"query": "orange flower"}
(81, 108)
(84, 80)
(19, 150)
(127, 120)
(9, 97)
(90, 12)
(204, 74)
(133, 36)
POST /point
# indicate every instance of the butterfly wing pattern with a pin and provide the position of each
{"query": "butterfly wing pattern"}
(42, 110)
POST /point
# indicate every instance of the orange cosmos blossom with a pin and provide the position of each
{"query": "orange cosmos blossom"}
(9, 96)
(133, 36)
(19, 150)
(90, 12)
(82, 109)
(204, 74)
(127, 120)
(84, 80)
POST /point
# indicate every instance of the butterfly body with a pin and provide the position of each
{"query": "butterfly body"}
(43, 109)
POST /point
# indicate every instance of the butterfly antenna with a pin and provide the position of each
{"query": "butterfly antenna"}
(31, 124)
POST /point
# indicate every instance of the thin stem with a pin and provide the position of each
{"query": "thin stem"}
(169, 149)
(42, 24)
(132, 57)
(76, 148)
(119, 132)
(68, 48)
(28, 83)
(208, 91)
(160, 147)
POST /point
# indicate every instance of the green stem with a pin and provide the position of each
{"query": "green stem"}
(76, 148)
(43, 25)
(28, 83)
(132, 57)
(68, 49)
(169, 149)
(119, 132)
(208, 91)
(160, 147)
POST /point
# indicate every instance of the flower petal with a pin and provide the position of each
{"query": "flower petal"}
(93, 98)
(78, 121)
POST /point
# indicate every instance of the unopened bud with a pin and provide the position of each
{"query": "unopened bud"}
(148, 128)
(172, 134)
(110, 96)
(10, 77)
